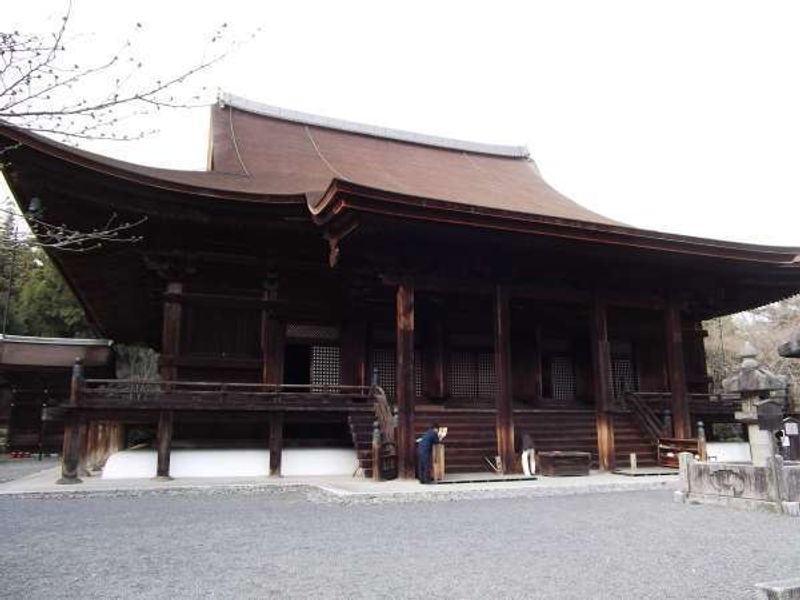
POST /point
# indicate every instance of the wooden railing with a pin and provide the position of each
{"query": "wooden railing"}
(133, 393)
(718, 402)
(645, 416)
(384, 443)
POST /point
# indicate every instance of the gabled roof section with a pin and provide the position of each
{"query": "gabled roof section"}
(294, 116)
(291, 153)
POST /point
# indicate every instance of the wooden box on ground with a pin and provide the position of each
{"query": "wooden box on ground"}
(564, 464)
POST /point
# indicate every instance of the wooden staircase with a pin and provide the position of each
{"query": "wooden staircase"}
(470, 437)
(361, 424)
(550, 430)
(471, 440)
(628, 437)
(575, 430)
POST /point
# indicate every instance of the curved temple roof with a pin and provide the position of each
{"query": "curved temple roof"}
(291, 153)
(260, 153)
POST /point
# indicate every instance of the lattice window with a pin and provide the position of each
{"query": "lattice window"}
(301, 331)
(384, 360)
(623, 376)
(487, 381)
(325, 366)
(461, 380)
(563, 378)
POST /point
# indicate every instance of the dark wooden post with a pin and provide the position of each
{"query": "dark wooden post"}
(273, 337)
(434, 357)
(376, 452)
(676, 371)
(274, 345)
(275, 443)
(404, 389)
(354, 351)
(71, 449)
(537, 364)
(502, 362)
(171, 331)
(164, 442)
(601, 366)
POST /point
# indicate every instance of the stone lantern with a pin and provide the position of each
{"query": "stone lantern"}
(762, 413)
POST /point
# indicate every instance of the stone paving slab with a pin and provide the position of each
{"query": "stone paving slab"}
(43, 484)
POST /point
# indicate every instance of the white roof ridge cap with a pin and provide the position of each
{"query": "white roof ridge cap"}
(277, 112)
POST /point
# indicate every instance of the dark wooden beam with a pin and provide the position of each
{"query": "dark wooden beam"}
(164, 443)
(676, 371)
(275, 444)
(171, 329)
(502, 362)
(404, 388)
(601, 366)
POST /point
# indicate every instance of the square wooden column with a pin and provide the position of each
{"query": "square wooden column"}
(275, 444)
(164, 443)
(354, 351)
(676, 371)
(434, 381)
(171, 331)
(502, 367)
(601, 366)
(71, 448)
(273, 341)
(273, 337)
(404, 387)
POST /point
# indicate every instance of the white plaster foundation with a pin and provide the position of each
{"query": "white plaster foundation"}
(728, 452)
(295, 462)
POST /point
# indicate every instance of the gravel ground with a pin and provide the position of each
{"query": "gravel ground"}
(14, 468)
(302, 544)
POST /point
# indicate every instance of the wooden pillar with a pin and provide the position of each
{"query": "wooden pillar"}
(273, 335)
(171, 331)
(435, 384)
(537, 365)
(273, 340)
(71, 448)
(502, 366)
(164, 442)
(676, 371)
(354, 351)
(275, 444)
(404, 388)
(601, 366)
(70, 452)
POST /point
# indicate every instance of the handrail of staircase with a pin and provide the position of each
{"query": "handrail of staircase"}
(645, 415)
(383, 414)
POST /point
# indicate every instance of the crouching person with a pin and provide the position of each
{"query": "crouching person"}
(425, 453)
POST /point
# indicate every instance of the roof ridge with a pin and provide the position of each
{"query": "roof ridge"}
(285, 114)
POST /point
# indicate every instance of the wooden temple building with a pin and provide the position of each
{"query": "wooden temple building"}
(313, 255)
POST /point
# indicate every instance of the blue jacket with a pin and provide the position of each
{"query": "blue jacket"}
(429, 438)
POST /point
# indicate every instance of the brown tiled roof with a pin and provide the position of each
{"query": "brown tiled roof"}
(292, 153)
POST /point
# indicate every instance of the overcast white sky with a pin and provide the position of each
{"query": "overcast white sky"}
(675, 116)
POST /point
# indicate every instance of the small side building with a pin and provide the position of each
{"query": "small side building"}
(34, 374)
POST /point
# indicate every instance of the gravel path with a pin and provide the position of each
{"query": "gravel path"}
(14, 468)
(295, 543)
